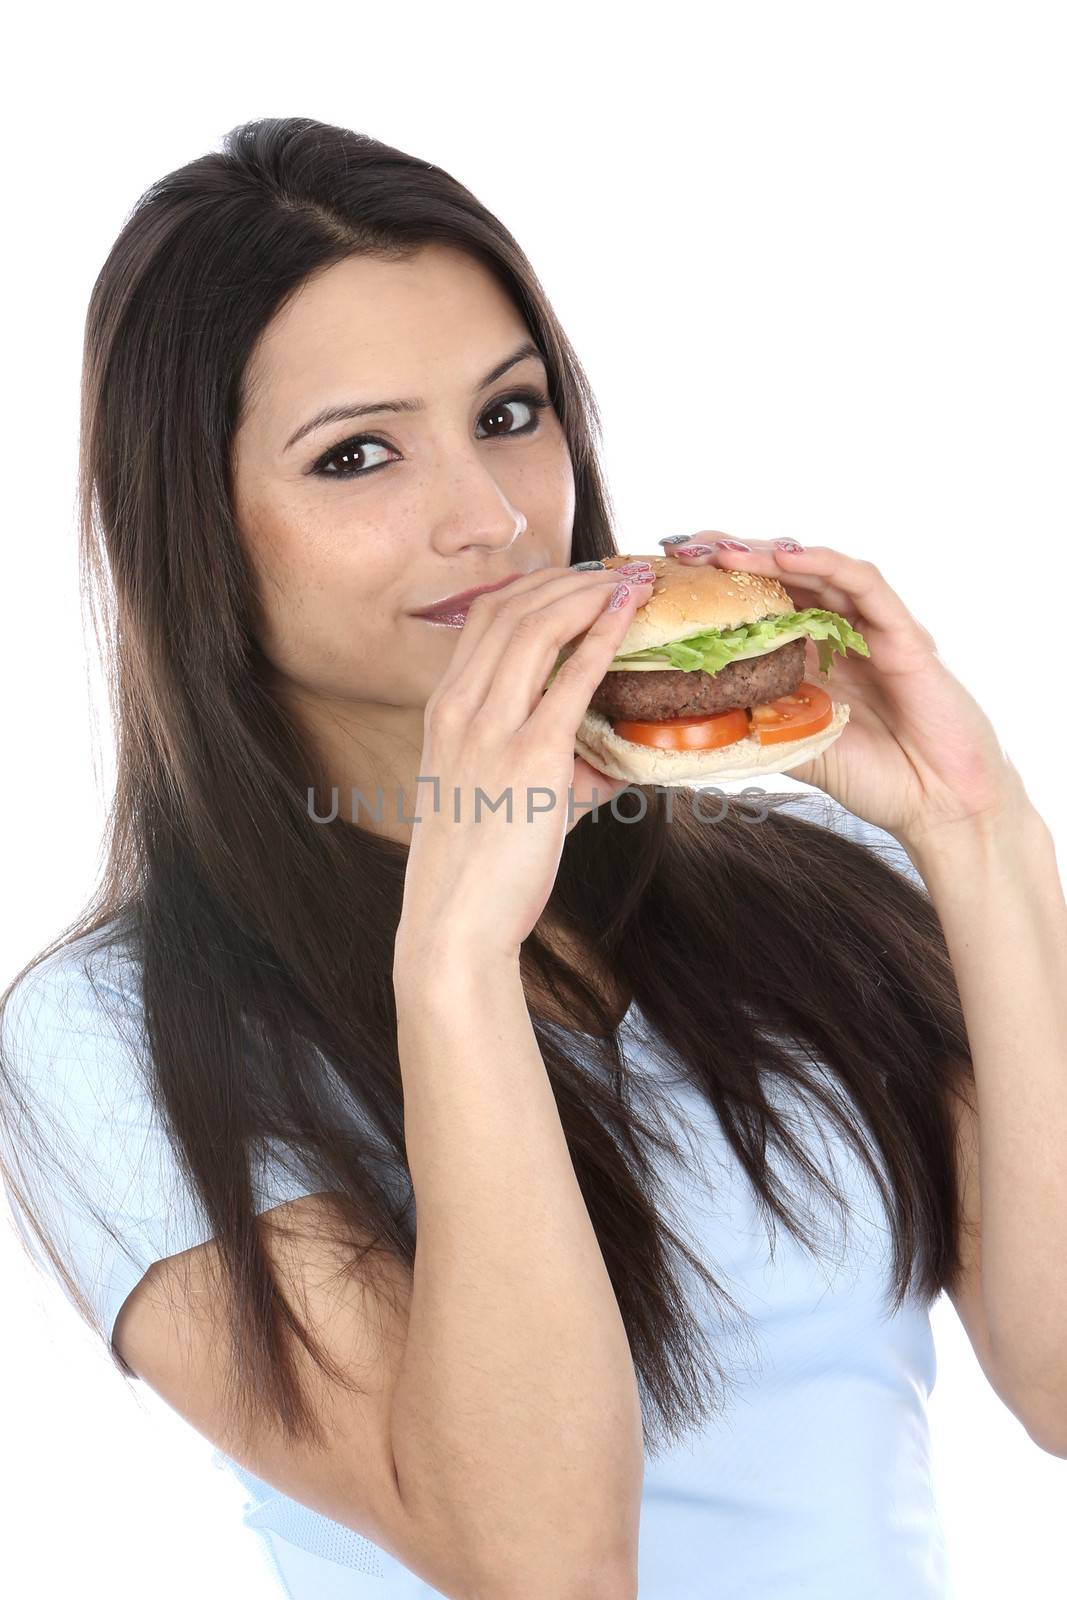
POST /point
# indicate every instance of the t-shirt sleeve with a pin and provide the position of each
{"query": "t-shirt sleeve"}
(83, 1139)
(816, 805)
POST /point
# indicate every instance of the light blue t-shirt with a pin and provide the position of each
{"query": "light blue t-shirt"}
(814, 1482)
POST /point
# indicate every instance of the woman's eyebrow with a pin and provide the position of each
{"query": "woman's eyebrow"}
(345, 413)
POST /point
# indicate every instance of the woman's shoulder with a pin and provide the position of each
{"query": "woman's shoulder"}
(815, 805)
(88, 988)
(105, 954)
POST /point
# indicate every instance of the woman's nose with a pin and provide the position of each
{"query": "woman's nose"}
(469, 507)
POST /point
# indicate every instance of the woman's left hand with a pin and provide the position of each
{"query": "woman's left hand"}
(918, 753)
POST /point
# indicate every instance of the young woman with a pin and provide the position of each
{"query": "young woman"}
(603, 1049)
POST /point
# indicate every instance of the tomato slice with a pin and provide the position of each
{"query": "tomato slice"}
(807, 710)
(687, 733)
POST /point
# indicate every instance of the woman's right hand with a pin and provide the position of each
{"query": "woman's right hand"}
(481, 879)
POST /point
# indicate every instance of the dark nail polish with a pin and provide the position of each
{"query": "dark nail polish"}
(588, 566)
(675, 538)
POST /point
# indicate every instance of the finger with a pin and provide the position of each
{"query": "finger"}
(536, 646)
(566, 700)
(506, 675)
(729, 558)
(839, 580)
(536, 588)
(591, 789)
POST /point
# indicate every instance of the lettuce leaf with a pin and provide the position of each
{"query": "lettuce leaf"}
(715, 648)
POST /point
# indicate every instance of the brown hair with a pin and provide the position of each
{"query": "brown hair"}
(272, 944)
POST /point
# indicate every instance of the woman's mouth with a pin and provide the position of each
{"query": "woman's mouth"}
(443, 619)
(452, 611)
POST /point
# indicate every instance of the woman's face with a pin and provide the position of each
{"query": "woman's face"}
(346, 540)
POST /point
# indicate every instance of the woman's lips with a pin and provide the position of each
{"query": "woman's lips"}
(453, 613)
(443, 619)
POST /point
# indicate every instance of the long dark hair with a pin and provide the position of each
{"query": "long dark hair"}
(265, 951)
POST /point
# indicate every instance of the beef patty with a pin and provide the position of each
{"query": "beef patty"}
(656, 695)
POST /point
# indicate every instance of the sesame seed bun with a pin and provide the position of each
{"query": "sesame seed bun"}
(689, 599)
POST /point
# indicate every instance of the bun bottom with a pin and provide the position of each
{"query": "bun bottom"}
(598, 743)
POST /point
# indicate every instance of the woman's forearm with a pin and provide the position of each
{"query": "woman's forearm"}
(997, 893)
(516, 1415)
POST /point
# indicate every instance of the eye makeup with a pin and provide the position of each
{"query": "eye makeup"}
(536, 399)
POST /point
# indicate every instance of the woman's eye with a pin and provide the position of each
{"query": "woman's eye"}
(350, 458)
(501, 410)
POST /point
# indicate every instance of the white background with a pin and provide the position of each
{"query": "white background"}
(812, 257)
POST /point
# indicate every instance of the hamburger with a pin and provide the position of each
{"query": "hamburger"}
(710, 680)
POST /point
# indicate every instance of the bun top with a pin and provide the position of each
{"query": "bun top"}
(686, 599)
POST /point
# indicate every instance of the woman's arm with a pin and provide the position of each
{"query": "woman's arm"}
(997, 893)
(516, 1415)
(921, 760)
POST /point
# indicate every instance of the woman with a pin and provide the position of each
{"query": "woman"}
(604, 1048)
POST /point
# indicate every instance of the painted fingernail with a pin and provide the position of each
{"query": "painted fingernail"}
(642, 577)
(633, 567)
(695, 550)
(618, 596)
(732, 544)
(588, 566)
(788, 544)
(675, 538)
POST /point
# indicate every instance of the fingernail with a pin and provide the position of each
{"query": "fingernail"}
(588, 566)
(696, 550)
(732, 544)
(788, 544)
(675, 538)
(642, 577)
(618, 596)
(633, 567)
